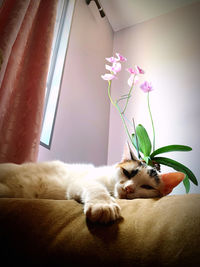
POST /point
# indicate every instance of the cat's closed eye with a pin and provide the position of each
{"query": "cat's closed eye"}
(131, 174)
(152, 172)
(146, 186)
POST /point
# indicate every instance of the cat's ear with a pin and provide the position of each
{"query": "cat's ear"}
(171, 180)
(128, 153)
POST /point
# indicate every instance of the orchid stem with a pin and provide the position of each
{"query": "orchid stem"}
(118, 108)
(125, 126)
(151, 122)
(109, 95)
(128, 97)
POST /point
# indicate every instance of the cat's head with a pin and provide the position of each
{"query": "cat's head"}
(135, 179)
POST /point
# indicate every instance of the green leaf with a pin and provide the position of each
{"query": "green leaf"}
(170, 148)
(177, 166)
(147, 159)
(186, 183)
(143, 140)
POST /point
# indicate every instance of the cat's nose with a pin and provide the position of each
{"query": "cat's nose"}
(129, 189)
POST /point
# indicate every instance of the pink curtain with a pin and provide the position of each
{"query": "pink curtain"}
(26, 33)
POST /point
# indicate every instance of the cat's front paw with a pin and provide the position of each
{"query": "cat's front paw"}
(102, 212)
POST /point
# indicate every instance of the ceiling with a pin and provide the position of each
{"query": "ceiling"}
(126, 13)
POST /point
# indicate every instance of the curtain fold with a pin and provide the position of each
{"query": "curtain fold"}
(26, 34)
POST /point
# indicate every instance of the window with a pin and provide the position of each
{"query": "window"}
(59, 48)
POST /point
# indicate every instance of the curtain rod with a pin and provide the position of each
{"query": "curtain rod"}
(98, 6)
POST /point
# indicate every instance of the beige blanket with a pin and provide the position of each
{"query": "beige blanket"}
(152, 232)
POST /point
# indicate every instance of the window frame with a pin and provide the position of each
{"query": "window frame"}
(60, 42)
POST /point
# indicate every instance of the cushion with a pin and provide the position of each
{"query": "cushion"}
(151, 232)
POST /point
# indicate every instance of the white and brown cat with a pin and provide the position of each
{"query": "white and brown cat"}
(95, 187)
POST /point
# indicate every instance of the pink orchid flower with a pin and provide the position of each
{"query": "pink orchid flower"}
(120, 57)
(111, 59)
(139, 70)
(146, 87)
(115, 59)
(132, 80)
(116, 67)
(108, 77)
(131, 71)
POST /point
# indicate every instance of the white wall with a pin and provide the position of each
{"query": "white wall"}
(82, 121)
(168, 48)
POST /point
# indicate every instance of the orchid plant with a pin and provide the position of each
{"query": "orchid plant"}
(140, 139)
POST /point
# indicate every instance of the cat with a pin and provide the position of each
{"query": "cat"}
(95, 187)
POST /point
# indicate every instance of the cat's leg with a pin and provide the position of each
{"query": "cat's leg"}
(99, 206)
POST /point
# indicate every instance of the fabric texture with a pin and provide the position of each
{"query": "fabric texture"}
(26, 34)
(152, 232)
